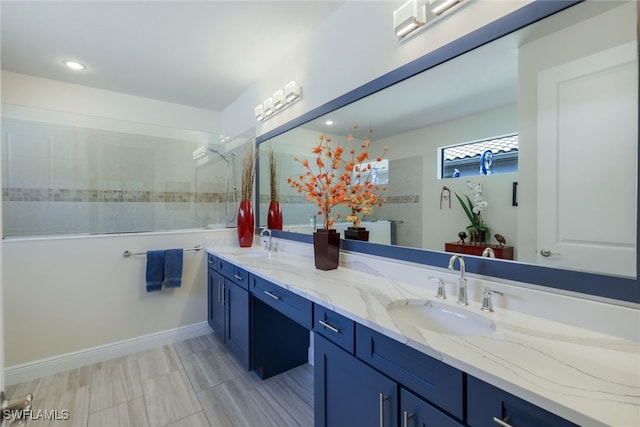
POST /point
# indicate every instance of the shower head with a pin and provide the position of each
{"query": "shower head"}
(225, 158)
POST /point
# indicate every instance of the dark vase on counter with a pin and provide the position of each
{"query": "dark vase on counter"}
(357, 233)
(245, 224)
(326, 249)
(274, 216)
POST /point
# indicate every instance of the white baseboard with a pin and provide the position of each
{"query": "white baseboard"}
(40, 368)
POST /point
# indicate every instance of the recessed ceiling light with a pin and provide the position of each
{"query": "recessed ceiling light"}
(74, 65)
(328, 122)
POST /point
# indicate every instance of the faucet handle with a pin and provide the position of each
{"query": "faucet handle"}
(487, 304)
(441, 294)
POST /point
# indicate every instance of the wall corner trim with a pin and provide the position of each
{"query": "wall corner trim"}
(51, 365)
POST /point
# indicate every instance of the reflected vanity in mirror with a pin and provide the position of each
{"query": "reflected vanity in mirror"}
(566, 87)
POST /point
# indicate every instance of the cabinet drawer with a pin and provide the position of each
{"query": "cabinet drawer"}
(430, 378)
(334, 327)
(212, 262)
(231, 271)
(291, 305)
(417, 412)
(484, 402)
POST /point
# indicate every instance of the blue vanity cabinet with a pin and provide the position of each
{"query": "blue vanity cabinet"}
(291, 305)
(431, 379)
(349, 393)
(335, 327)
(228, 306)
(486, 404)
(236, 303)
(215, 296)
(280, 328)
(416, 412)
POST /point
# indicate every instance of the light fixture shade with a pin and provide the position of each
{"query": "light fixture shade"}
(278, 100)
(438, 7)
(269, 109)
(259, 110)
(291, 91)
(199, 153)
(408, 18)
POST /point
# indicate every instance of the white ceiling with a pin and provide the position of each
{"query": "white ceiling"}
(198, 53)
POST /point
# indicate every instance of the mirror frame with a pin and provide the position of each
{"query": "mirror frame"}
(622, 289)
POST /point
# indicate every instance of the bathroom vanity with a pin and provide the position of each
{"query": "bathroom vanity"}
(375, 364)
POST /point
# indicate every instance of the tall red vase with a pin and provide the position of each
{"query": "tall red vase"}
(274, 216)
(245, 224)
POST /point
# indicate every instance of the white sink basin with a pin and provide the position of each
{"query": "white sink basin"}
(440, 318)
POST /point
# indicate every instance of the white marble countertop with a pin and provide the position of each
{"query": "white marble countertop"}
(587, 377)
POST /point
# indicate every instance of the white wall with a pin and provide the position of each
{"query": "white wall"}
(352, 47)
(36, 92)
(67, 294)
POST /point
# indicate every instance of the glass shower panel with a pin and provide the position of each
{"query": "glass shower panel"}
(60, 177)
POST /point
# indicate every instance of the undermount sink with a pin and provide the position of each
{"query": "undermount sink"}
(440, 318)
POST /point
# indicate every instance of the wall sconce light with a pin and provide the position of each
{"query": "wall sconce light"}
(415, 15)
(279, 101)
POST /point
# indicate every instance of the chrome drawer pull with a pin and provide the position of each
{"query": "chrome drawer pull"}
(329, 326)
(405, 418)
(272, 295)
(238, 277)
(502, 422)
(382, 399)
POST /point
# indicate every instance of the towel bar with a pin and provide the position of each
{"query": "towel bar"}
(127, 254)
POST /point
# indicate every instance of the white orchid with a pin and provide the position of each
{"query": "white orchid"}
(474, 208)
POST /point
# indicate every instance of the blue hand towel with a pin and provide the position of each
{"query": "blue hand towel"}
(173, 268)
(155, 270)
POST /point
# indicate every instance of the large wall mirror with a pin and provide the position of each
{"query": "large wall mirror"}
(565, 88)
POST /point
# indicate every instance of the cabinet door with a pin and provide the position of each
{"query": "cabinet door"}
(216, 303)
(349, 393)
(486, 403)
(237, 322)
(415, 412)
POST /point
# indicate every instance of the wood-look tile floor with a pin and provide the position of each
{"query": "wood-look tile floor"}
(195, 383)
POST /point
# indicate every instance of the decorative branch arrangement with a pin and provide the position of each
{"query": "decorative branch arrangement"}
(248, 173)
(331, 180)
(273, 175)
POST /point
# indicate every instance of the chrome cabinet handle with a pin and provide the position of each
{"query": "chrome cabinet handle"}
(405, 418)
(329, 326)
(502, 422)
(382, 399)
(272, 295)
(237, 276)
(219, 291)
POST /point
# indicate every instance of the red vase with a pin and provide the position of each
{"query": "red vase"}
(326, 249)
(274, 216)
(245, 224)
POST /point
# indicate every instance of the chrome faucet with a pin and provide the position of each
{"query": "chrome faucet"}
(462, 281)
(488, 252)
(268, 246)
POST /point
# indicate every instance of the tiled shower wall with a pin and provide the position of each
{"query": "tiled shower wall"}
(63, 179)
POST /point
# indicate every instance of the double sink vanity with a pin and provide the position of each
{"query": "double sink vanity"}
(387, 352)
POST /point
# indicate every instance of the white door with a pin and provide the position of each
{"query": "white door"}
(587, 154)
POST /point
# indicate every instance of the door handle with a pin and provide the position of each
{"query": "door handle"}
(383, 398)
(329, 326)
(272, 295)
(502, 422)
(547, 253)
(406, 416)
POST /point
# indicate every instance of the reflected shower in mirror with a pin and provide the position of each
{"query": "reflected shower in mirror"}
(566, 86)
